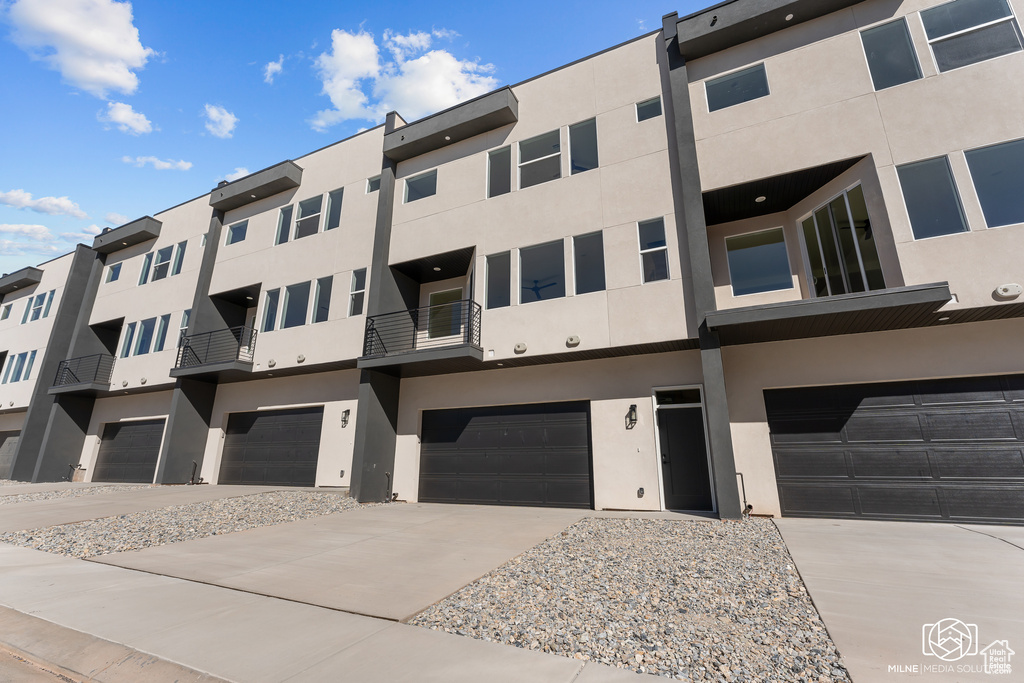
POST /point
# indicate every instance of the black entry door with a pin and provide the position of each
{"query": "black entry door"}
(684, 459)
(272, 447)
(129, 451)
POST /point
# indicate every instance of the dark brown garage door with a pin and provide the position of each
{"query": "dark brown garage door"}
(507, 455)
(272, 447)
(942, 450)
(129, 451)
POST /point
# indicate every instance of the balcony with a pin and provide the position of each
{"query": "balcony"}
(448, 331)
(84, 375)
(228, 350)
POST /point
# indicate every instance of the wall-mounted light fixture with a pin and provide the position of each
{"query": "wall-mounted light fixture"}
(631, 416)
(344, 418)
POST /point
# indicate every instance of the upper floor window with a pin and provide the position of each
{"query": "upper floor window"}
(6, 313)
(648, 109)
(144, 336)
(542, 272)
(307, 222)
(841, 251)
(357, 292)
(421, 186)
(890, 53)
(736, 88)
(588, 262)
(931, 197)
(499, 172)
(583, 146)
(310, 216)
(162, 263)
(540, 159)
(964, 32)
(653, 249)
(38, 306)
(160, 267)
(372, 184)
(19, 366)
(113, 272)
(998, 175)
(499, 275)
(236, 232)
(758, 262)
(297, 307)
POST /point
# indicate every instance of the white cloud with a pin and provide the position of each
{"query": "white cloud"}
(86, 235)
(116, 218)
(272, 69)
(415, 82)
(127, 119)
(158, 164)
(39, 233)
(219, 121)
(54, 206)
(14, 248)
(92, 43)
(240, 172)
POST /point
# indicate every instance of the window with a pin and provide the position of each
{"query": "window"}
(146, 263)
(179, 258)
(296, 304)
(270, 310)
(542, 272)
(540, 160)
(37, 307)
(648, 109)
(161, 332)
(183, 327)
(998, 173)
(583, 146)
(653, 250)
(964, 32)
(421, 186)
(284, 225)
(19, 367)
(499, 279)
(6, 312)
(334, 209)
(307, 222)
(931, 197)
(322, 302)
(588, 258)
(236, 232)
(129, 336)
(358, 291)
(736, 88)
(890, 53)
(49, 302)
(146, 330)
(162, 263)
(499, 172)
(372, 184)
(113, 272)
(840, 244)
(758, 262)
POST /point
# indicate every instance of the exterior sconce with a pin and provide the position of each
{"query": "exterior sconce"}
(344, 418)
(631, 416)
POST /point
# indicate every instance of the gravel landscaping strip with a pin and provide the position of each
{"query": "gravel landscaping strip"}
(700, 601)
(67, 493)
(180, 523)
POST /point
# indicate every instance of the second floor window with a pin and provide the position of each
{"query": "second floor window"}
(19, 367)
(38, 306)
(158, 265)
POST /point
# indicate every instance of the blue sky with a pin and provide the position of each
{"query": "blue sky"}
(114, 110)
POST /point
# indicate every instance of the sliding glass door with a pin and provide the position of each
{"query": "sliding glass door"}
(840, 247)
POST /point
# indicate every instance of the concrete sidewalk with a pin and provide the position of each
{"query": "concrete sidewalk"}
(876, 584)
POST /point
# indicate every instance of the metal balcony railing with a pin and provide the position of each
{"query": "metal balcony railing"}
(94, 369)
(431, 327)
(219, 346)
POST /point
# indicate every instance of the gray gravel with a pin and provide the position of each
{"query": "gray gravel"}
(701, 601)
(67, 493)
(180, 523)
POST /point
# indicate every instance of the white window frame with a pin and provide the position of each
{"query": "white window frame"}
(913, 49)
(369, 182)
(575, 263)
(978, 27)
(974, 185)
(639, 244)
(520, 163)
(353, 291)
(6, 311)
(405, 193)
(768, 83)
(230, 231)
(789, 263)
(113, 272)
(903, 198)
(487, 176)
(320, 216)
(636, 108)
(157, 263)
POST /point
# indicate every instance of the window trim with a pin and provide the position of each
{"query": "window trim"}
(320, 215)
(352, 291)
(369, 183)
(418, 176)
(5, 313)
(668, 261)
(519, 272)
(169, 250)
(956, 193)
(974, 185)
(575, 265)
(962, 32)
(178, 259)
(749, 67)
(637, 105)
(228, 241)
(146, 263)
(520, 163)
(913, 50)
(789, 261)
(487, 179)
(597, 151)
(113, 272)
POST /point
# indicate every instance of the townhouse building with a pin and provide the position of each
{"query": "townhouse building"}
(767, 258)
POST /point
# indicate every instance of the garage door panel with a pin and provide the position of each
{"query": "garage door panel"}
(1015, 388)
(891, 463)
(897, 501)
(817, 500)
(986, 503)
(272, 447)
(974, 426)
(989, 463)
(814, 429)
(884, 427)
(129, 451)
(567, 463)
(811, 464)
(967, 390)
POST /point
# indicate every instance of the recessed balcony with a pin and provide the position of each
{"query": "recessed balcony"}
(431, 333)
(83, 375)
(214, 353)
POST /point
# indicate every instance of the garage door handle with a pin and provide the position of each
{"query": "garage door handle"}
(664, 458)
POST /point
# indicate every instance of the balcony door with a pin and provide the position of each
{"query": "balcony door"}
(840, 247)
(444, 317)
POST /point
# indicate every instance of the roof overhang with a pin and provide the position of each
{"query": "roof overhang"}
(129, 234)
(260, 185)
(437, 267)
(20, 279)
(462, 121)
(885, 309)
(738, 21)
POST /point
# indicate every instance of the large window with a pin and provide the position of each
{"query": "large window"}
(179, 258)
(19, 367)
(147, 335)
(499, 172)
(542, 272)
(301, 303)
(284, 224)
(588, 262)
(333, 209)
(653, 250)
(162, 263)
(890, 53)
(129, 337)
(736, 88)
(841, 250)
(161, 266)
(357, 292)
(322, 301)
(146, 330)
(236, 232)
(758, 262)
(38, 306)
(998, 174)
(540, 159)
(964, 32)
(931, 197)
(308, 220)
(296, 303)
(499, 279)
(583, 146)
(421, 186)
(270, 310)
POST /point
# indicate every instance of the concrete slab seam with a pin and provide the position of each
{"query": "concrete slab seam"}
(982, 533)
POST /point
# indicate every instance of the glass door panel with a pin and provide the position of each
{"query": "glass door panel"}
(841, 249)
(847, 246)
(830, 252)
(818, 281)
(865, 239)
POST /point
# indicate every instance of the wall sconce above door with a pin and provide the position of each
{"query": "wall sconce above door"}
(631, 416)
(344, 417)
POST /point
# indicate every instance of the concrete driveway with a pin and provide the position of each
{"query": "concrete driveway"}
(877, 584)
